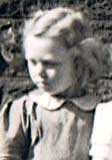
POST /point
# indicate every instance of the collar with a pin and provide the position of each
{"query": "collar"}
(46, 101)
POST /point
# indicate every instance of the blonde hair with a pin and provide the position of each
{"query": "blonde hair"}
(64, 24)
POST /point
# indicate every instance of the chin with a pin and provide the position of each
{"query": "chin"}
(55, 92)
(51, 92)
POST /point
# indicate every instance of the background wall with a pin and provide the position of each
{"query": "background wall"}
(14, 79)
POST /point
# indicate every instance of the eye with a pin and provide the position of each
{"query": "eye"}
(47, 63)
(33, 61)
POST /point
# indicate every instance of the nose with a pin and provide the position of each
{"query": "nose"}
(43, 74)
(41, 70)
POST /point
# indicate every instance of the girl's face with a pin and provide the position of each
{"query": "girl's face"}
(50, 67)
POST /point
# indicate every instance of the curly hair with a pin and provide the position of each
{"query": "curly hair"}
(64, 24)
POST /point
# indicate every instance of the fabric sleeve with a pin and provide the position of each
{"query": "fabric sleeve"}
(101, 140)
(14, 131)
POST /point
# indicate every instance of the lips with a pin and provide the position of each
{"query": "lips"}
(42, 83)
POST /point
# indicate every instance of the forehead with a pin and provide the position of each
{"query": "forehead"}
(44, 48)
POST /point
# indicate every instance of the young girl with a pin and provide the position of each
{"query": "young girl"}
(54, 121)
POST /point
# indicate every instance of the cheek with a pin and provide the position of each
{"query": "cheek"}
(31, 70)
(51, 73)
(68, 72)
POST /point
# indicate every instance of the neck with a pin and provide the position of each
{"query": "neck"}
(67, 93)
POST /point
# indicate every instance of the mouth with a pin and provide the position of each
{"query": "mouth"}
(42, 84)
